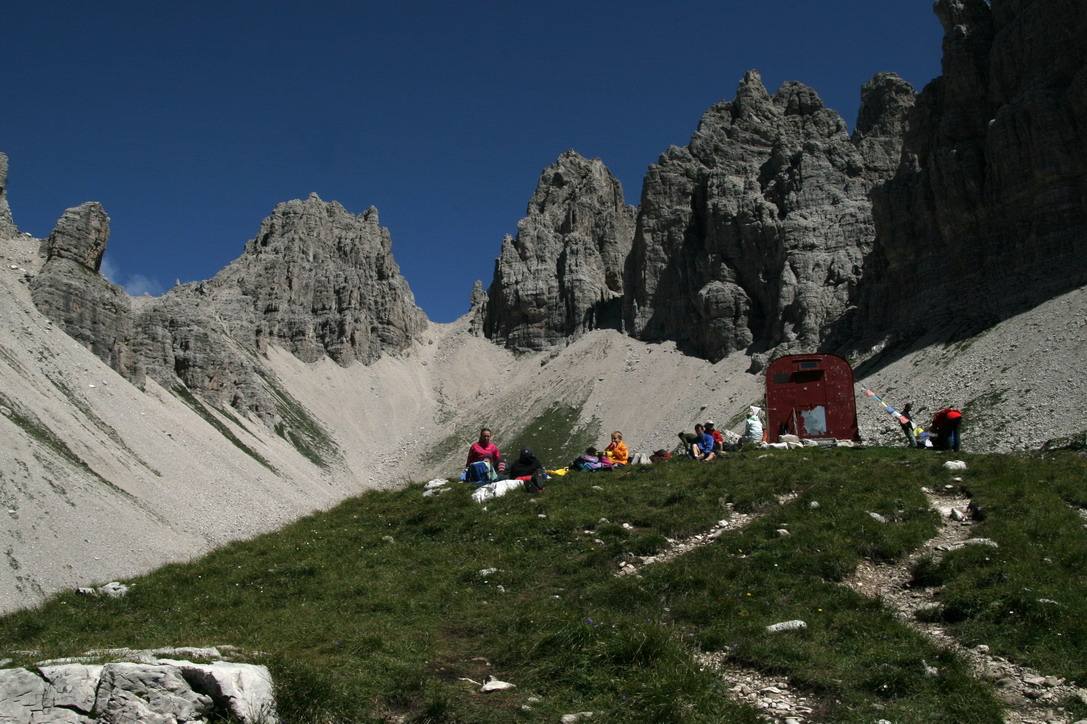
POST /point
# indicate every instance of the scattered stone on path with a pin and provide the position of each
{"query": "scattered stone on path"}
(787, 626)
(493, 684)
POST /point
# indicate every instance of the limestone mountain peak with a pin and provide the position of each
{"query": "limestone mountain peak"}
(562, 274)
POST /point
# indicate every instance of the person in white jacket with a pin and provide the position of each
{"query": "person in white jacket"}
(753, 426)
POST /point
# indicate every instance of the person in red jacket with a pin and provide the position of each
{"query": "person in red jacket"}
(718, 438)
(945, 427)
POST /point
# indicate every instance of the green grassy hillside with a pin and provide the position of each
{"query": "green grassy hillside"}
(385, 608)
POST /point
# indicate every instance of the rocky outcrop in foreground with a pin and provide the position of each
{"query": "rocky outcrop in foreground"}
(156, 689)
(562, 275)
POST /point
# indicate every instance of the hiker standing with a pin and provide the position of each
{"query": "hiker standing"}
(945, 426)
(908, 426)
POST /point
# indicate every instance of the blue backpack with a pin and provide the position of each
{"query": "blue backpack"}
(480, 473)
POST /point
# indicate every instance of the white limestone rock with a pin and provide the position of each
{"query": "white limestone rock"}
(245, 690)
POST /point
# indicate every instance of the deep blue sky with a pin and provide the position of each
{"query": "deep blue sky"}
(191, 120)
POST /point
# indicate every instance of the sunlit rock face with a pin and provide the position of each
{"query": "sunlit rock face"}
(316, 280)
(562, 274)
(753, 237)
(71, 292)
(7, 226)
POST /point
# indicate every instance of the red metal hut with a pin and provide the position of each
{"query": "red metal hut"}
(811, 396)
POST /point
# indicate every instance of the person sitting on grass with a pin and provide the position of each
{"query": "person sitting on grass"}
(617, 451)
(524, 466)
(484, 448)
(484, 475)
(591, 460)
(530, 470)
(702, 449)
(753, 425)
(718, 438)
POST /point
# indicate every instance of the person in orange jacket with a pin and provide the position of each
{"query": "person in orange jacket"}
(617, 451)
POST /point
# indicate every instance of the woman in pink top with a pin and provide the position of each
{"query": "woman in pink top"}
(484, 448)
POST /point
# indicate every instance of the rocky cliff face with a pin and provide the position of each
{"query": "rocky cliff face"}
(86, 305)
(987, 213)
(562, 274)
(7, 226)
(753, 237)
(773, 231)
(316, 281)
(319, 281)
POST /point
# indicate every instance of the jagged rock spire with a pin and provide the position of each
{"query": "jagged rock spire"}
(753, 236)
(562, 274)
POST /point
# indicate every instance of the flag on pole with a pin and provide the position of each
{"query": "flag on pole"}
(916, 430)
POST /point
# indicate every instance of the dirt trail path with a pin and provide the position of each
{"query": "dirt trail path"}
(1030, 697)
(774, 697)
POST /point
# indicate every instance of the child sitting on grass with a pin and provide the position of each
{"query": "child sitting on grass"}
(617, 451)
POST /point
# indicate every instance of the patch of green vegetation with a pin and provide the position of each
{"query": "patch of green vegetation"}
(378, 608)
(451, 443)
(80, 403)
(1077, 441)
(229, 414)
(198, 407)
(39, 432)
(299, 428)
(556, 436)
(954, 349)
(1026, 598)
(739, 417)
(977, 414)
(12, 362)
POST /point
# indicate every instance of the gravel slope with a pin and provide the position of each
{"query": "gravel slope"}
(159, 484)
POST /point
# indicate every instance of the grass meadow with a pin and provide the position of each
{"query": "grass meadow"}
(386, 608)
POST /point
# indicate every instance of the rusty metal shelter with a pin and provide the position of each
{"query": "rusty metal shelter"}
(811, 396)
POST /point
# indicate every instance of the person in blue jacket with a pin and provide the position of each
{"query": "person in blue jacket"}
(702, 449)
